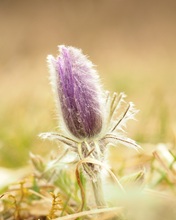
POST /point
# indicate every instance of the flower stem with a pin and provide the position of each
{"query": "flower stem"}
(98, 192)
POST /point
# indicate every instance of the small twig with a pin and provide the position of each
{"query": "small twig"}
(40, 195)
(89, 153)
(2, 196)
(164, 166)
(116, 102)
(90, 212)
(123, 140)
(81, 188)
(123, 116)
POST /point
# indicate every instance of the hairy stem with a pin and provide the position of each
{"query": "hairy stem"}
(98, 192)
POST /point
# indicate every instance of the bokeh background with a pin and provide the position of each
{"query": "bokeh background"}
(132, 42)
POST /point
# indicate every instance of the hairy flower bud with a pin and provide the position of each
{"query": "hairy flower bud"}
(78, 92)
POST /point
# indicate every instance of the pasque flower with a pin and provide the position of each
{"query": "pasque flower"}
(78, 92)
(89, 117)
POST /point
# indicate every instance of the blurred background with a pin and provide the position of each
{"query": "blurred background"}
(132, 42)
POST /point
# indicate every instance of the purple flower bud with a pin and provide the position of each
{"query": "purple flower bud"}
(76, 84)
